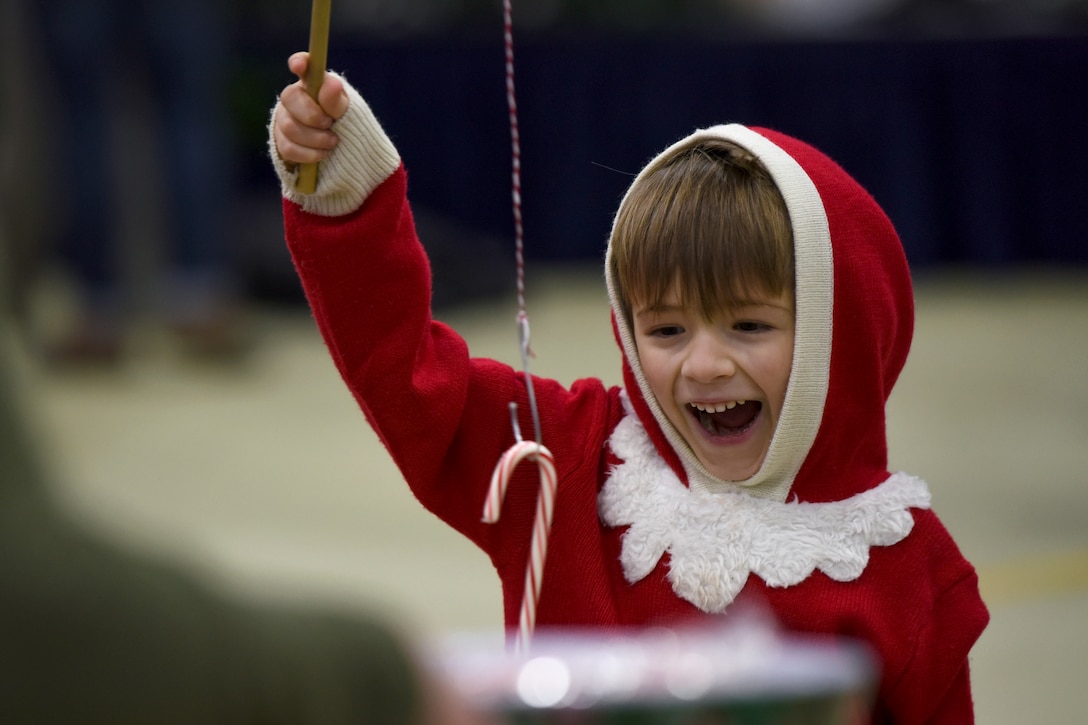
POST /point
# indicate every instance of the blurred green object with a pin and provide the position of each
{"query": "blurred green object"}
(824, 710)
(93, 633)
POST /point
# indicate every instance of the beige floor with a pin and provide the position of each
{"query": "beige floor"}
(267, 476)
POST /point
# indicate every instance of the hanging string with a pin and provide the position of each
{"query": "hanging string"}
(515, 144)
(523, 450)
(519, 229)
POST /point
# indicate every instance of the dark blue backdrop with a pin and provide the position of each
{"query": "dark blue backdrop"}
(975, 148)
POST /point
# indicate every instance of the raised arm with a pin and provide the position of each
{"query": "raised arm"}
(443, 415)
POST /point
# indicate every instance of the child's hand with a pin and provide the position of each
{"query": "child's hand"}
(301, 125)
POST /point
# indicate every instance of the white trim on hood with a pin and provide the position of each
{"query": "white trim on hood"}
(814, 294)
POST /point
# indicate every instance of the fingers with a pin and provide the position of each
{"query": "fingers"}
(301, 128)
(333, 99)
(298, 63)
(298, 140)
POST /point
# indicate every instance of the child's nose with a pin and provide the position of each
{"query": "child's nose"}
(708, 359)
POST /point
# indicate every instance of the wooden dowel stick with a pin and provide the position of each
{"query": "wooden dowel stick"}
(315, 76)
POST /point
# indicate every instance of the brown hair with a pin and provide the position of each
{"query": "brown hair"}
(708, 219)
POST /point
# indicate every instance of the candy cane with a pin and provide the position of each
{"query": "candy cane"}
(542, 523)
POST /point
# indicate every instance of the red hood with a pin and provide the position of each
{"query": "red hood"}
(853, 291)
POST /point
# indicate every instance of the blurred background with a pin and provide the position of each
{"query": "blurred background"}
(189, 407)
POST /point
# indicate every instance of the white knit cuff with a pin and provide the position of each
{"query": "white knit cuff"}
(364, 158)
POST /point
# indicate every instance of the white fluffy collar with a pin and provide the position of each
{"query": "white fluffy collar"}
(715, 539)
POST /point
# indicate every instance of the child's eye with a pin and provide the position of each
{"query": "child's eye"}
(751, 326)
(666, 331)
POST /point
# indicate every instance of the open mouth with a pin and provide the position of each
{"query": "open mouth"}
(726, 419)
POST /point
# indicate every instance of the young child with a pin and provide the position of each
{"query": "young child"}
(763, 304)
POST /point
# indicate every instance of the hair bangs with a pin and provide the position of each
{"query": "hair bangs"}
(707, 225)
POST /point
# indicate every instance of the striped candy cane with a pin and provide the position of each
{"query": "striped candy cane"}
(542, 523)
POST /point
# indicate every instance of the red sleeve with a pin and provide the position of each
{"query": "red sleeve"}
(443, 415)
(935, 686)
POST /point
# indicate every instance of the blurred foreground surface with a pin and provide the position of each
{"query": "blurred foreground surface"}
(739, 670)
(265, 474)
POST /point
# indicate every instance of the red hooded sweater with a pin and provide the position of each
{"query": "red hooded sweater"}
(824, 534)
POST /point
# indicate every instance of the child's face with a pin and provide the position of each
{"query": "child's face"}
(720, 383)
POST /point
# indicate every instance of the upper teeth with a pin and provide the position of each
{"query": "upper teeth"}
(718, 407)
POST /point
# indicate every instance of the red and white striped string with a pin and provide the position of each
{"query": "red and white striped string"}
(523, 450)
(515, 149)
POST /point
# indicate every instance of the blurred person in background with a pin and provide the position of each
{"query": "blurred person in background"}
(96, 51)
(93, 632)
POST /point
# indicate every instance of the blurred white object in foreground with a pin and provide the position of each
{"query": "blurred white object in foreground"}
(733, 669)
